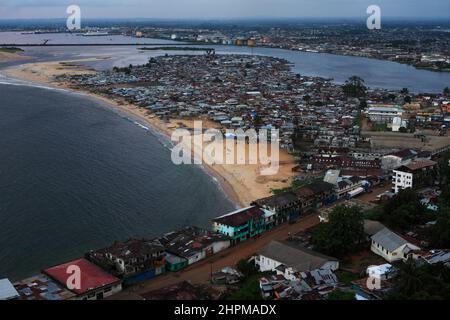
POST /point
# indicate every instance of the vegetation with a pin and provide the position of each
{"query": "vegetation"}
(438, 235)
(446, 91)
(176, 49)
(10, 49)
(246, 268)
(379, 127)
(294, 184)
(354, 87)
(346, 277)
(249, 287)
(426, 282)
(338, 294)
(343, 234)
(403, 211)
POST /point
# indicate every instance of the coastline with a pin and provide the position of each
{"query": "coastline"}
(242, 184)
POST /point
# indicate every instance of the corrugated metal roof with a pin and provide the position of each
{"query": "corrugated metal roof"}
(7, 290)
(388, 239)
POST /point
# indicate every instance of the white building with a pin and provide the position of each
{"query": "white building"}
(381, 272)
(391, 246)
(384, 114)
(412, 174)
(288, 259)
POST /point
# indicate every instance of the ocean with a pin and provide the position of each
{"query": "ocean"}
(76, 175)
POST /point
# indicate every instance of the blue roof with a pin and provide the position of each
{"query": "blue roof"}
(7, 290)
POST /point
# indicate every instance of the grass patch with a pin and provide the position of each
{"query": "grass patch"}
(10, 49)
(248, 289)
(346, 277)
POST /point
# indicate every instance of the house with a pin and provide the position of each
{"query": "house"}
(133, 260)
(311, 285)
(397, 159)
(414, 174)
(7, 290)
(42, 287)
(285, 206)
(434, 257)
(289, 259)
(94, 283)
(242, 224)
(192, 244)
(383, 113)
(323, 193)
(382, 272)
(391, 246)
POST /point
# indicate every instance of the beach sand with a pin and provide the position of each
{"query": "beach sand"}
(242, 183)
(10, 56)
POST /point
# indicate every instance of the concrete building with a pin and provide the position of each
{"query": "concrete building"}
(243, 224)
(289, 259)
(391, 246)
(93, 282)
(384, 114)
(414, 174)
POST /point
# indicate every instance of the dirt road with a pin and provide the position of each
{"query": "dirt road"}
(201, 272)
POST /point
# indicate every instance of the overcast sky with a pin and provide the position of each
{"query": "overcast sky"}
(16, 9)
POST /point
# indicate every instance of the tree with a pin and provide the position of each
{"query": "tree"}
(439, 234)
(404, 211)
(407, 99)
(354, 87)
(342, 234)
(426, 282)
(404, 91)
(446, 91)
(246, 268)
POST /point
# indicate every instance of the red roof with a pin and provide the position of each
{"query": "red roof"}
(92, 277)
(240, 217)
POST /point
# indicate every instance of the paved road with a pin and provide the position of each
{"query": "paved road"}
(201, 272)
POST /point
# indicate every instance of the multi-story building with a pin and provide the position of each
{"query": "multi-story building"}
(414, 174)
(384, 114)
(242, 224)
(133, 260)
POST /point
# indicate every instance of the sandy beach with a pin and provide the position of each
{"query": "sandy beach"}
(10, 56)
(242, 183)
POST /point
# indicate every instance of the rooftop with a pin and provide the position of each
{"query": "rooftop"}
(41, 287)
(240, 217)
(295, 256)
(92, 277)
(7, 290)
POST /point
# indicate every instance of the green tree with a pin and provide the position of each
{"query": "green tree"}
(439, 234)
(246, 268)
(354, 87)
(338, 294)
(446, 91)
(342, 234)
(407, 99)
(404, 210)
(425, 282)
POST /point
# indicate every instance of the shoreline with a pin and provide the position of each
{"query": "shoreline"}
(240, 185)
